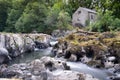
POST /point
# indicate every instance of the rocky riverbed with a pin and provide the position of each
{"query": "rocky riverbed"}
(46, 68)
(79, 55)
(98, 50)
(12, 45)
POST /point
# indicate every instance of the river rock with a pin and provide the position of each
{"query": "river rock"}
(4, 55)
(90, 47)
(72, 75)
(40, 45)
(9, 79)
(54, 64)
(45, 68)
(36, 67)
(58, 33)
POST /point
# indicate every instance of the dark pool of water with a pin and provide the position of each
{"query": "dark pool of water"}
(28, 57)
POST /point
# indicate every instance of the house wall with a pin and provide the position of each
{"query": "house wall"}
(92, 17)
(82, 17)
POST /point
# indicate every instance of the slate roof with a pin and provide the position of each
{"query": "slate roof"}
(86, 9)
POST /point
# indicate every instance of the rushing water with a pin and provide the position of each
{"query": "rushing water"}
(75, 66)
(100, 74)
(2, 41)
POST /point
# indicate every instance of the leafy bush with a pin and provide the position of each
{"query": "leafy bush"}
(105, 22)
(115, 25)
(63, 20)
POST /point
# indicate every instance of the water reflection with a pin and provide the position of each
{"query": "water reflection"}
(28, 57)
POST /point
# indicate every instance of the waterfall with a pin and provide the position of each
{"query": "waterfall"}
(2, 41)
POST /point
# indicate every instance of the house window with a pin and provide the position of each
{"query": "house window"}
(79, 12)
(91, 17)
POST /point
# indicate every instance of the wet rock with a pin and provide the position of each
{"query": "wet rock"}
(46, 75)
(3, 67)
(40, 45)
(117, 68)
(9, 79)
(85, 59)
(36, 67)
(114, 78)
(95, 63)
(16, 44)
(91, 48)
(67, 75)
(12, 71)
(72, 58)
(4, 55)
(29, 44)
(60, 33)
(72, 75)
(46, 68)
(108, 64)
(53, 64)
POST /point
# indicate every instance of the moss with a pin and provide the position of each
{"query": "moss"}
(98, 41)
(95, 45)
(39, 38)
(70, 37)
(95, 63)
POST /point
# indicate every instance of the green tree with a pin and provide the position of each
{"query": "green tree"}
(63, 20)
(4, 6)
(105, 22)
(115, 7)
(52, 16)
(33, 18)
(73, 5)
(15, 13)
(58, 18)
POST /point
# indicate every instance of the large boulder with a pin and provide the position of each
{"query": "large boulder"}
(54, 64)
(4, 55)
(95, 49)
(17, 44)
(72, 75)
(41, 45)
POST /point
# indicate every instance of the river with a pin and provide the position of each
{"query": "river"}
(75, 66)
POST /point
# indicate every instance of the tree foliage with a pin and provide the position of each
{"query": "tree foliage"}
(15, 13)
(4, 6)
(47, 15)
(32, 18)
(105, 22)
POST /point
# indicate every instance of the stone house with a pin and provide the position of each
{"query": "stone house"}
(83, 16)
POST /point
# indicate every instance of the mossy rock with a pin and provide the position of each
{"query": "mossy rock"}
(100, 43)
(95, 64)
